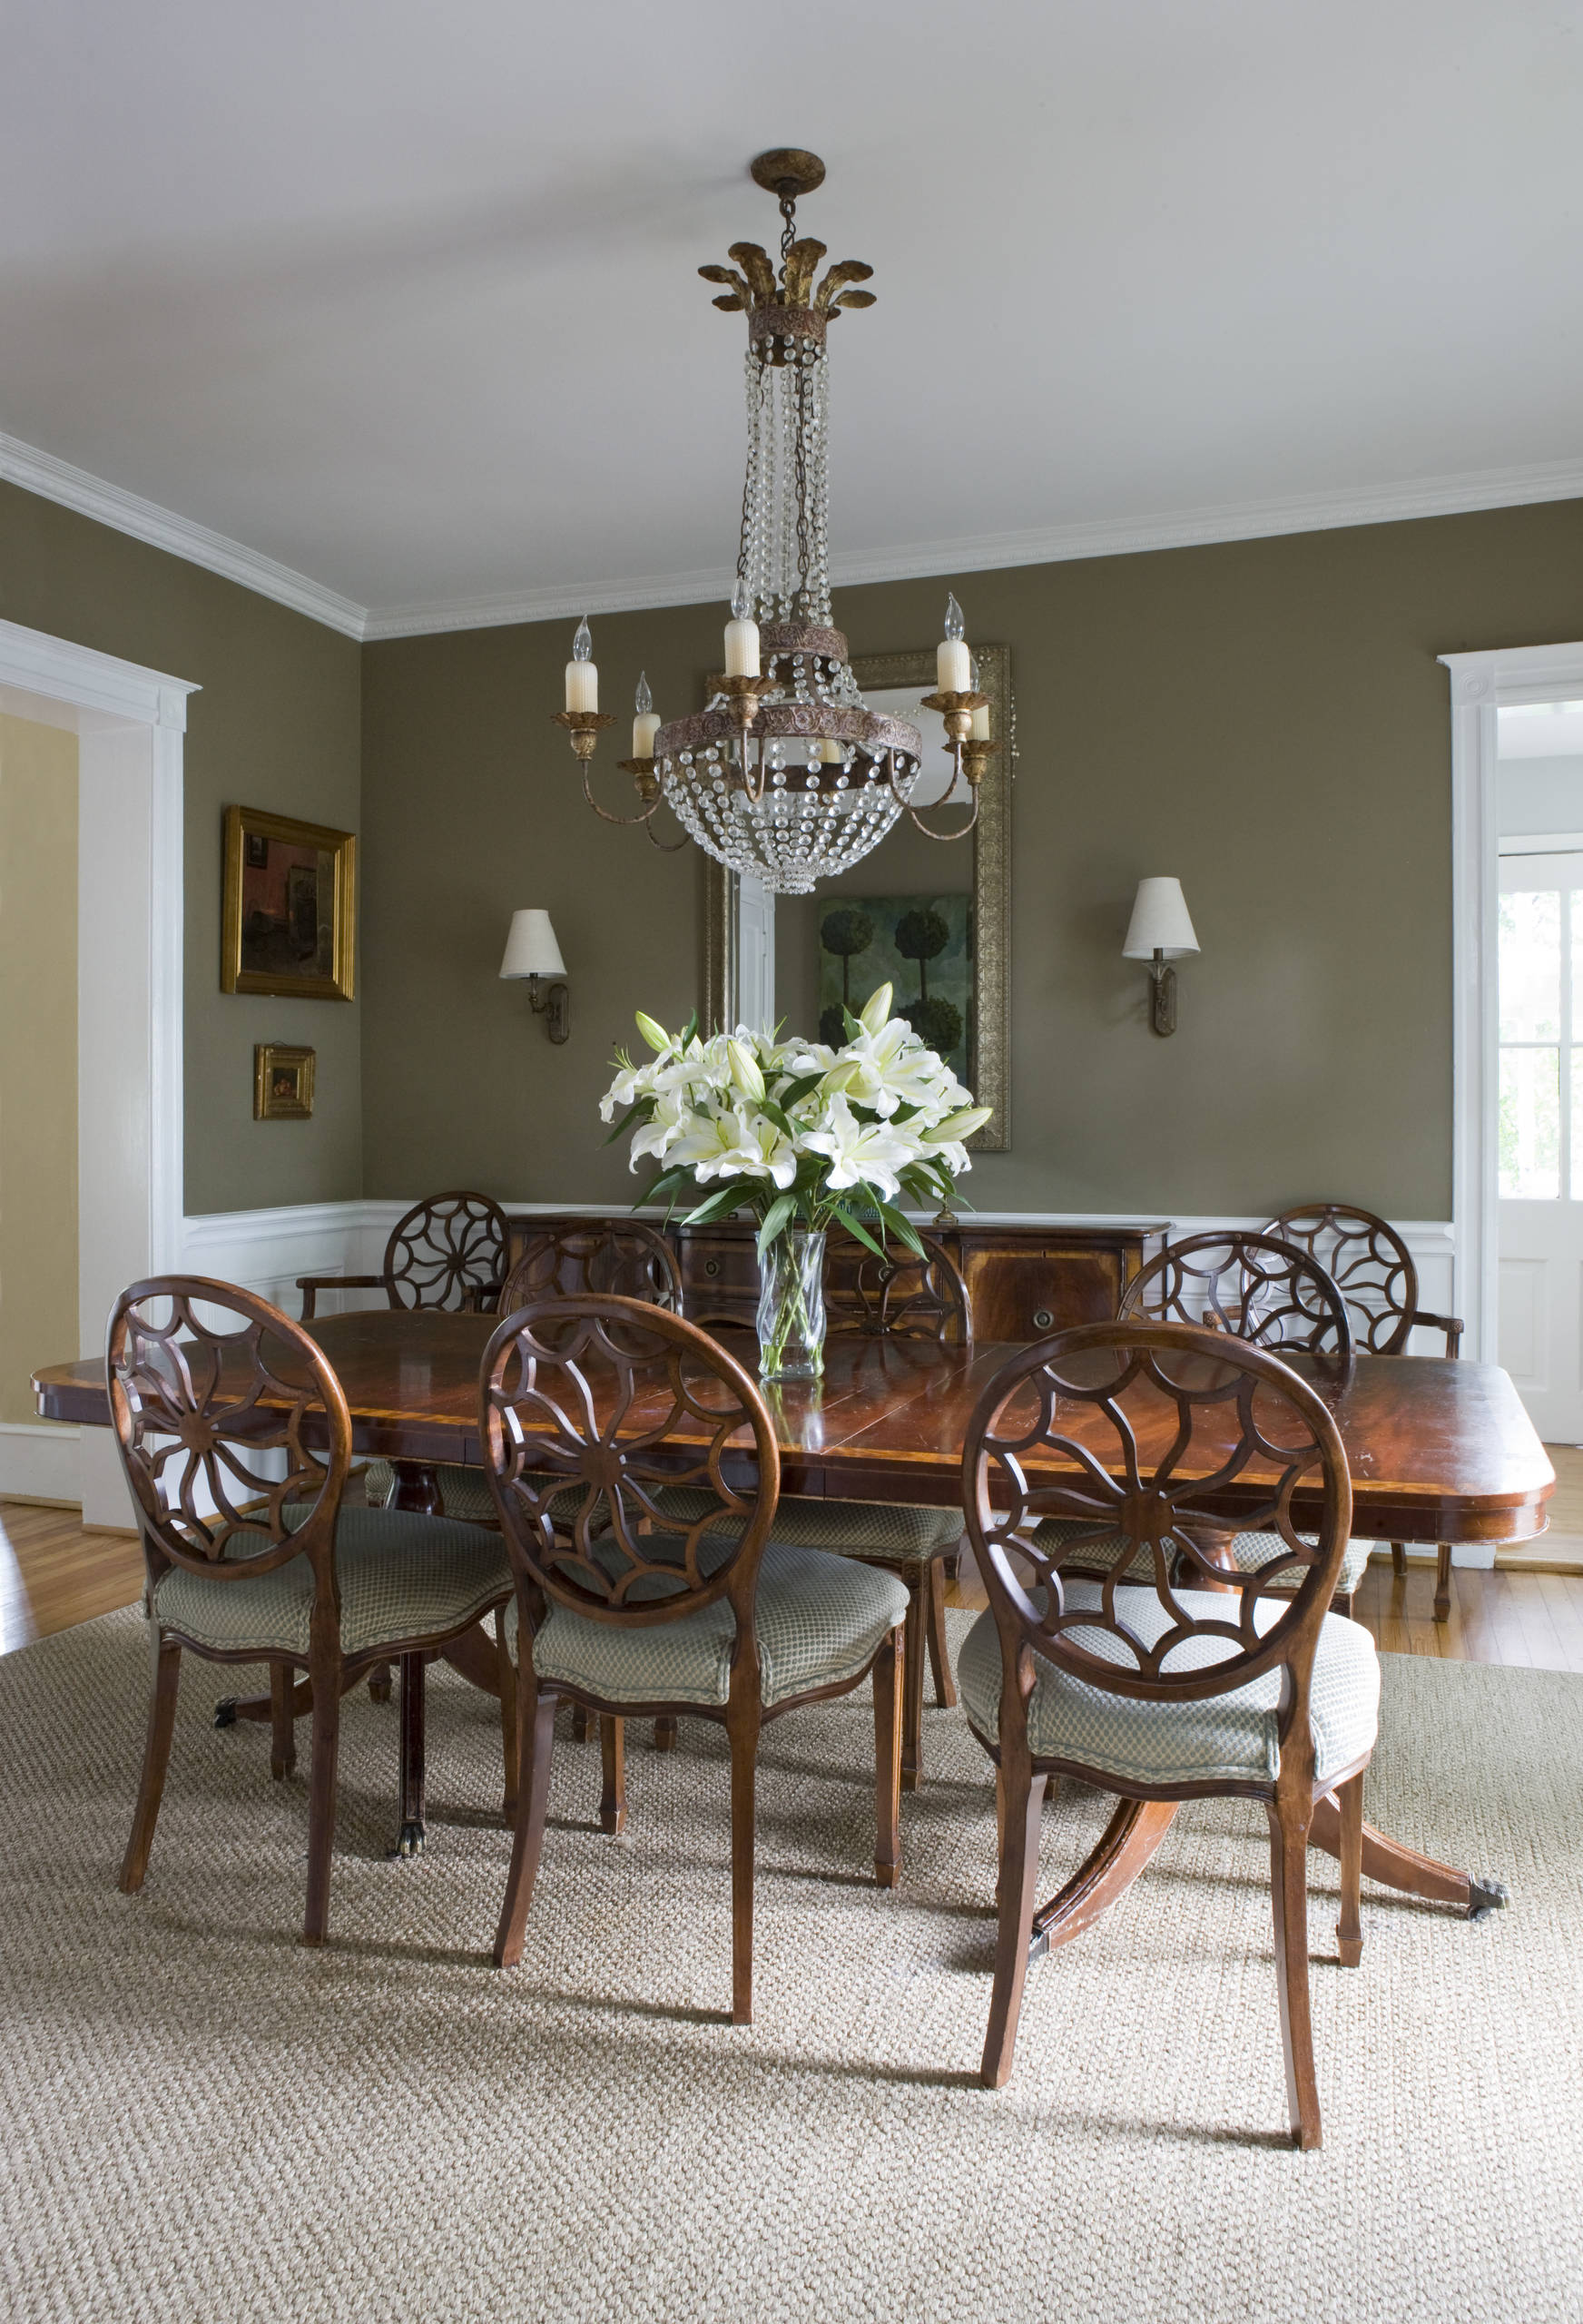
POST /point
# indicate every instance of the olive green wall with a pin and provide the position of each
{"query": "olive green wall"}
(1264, 719)
(276, 725)
(38, 1056)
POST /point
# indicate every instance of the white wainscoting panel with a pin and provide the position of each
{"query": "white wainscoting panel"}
(40, 1461)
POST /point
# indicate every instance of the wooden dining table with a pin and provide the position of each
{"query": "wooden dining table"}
(1438, 1451)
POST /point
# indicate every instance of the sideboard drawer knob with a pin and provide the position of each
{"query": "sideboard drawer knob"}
(1042, 1319)
(712, 1266)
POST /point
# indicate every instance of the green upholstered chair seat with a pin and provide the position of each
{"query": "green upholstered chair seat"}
(1249, 1551)
(401, 1576)
(849, 1528)
(820, 1619)
(1230, 1737)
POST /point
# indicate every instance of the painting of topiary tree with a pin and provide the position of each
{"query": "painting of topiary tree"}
(921, 944)
(845, 931)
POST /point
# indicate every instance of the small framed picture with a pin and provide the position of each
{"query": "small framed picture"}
(283, 1083)
(288, 921)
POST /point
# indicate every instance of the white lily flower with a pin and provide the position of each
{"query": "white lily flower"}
(956, 1126)
(671, 1116)
(876, 1009)
(654, 1034)
(745, 1070)
(871, 1152)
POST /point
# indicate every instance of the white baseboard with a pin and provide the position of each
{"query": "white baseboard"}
(40, 1461)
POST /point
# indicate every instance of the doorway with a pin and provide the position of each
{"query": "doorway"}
(129, 724)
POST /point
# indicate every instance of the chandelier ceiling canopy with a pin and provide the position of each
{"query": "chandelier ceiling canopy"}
(787, 775)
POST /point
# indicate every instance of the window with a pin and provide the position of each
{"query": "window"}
(1540, 1133)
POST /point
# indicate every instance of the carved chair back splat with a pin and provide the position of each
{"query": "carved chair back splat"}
(1145, 1420)
(563, 1256)
(590, 1408)
(448, 1251)
(1374, 1271)
(1255, 1286)
(899, 1296)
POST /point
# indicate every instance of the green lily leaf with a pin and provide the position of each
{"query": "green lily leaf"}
(775, 1217)
(854, 1227)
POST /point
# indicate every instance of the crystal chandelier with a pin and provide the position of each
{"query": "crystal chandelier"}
(787, 775)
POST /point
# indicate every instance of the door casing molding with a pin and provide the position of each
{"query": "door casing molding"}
(1482, 684)
(130, 724)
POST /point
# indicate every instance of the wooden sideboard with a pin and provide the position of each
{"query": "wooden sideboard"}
(1024, 1280)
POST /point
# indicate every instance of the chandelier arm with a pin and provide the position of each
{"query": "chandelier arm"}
(667, 846)
(947, 795)
(604, 813)
(960, 833)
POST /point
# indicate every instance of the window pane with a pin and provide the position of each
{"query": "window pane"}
(1577, 1125)
(1530, 965)
(1530, 1125)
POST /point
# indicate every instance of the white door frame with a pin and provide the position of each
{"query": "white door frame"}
(1482, 684)
(131, 722)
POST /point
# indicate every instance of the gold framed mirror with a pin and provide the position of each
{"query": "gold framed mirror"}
(959, 891)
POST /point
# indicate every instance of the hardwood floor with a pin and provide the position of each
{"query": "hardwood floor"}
(54, 1571)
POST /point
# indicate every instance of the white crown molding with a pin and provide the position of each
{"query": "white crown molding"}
(145, 520)
(1512, 674)
(1313, 512)
(127, 512)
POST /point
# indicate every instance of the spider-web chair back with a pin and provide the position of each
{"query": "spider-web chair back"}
(204, 1379)
(1369, 1264)
(604, 1257)
(1152, 1424)
(1173, 1682)
(583, 1392)
(1255, 1286)
(449, 1251)
(899, 1296)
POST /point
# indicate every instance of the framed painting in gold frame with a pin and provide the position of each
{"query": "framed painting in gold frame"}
(283, 1083)
(289, 918)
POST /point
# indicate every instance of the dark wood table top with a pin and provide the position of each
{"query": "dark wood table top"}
(1438, 1450)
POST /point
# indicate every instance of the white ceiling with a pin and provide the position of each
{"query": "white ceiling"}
(403, 294)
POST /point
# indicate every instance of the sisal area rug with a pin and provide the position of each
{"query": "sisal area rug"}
(203, 2122)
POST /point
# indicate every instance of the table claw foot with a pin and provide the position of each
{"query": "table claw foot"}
(225, 1712)
(410, 1842)
(1486, 1896)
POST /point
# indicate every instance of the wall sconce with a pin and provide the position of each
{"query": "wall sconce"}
(531, 952)
(1160, 930)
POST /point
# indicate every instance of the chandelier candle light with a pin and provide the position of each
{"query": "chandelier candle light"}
(787, 775)
(805, 1136)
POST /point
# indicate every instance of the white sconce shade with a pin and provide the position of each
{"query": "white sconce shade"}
(1159, 923)
(531, 949)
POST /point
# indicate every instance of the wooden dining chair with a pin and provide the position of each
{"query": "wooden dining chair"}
(894, 1300)
(630, 1611)
(448, 1251)
(1374, 1271)
(235, 1439)
(1270, 1293)
(1161, 1691)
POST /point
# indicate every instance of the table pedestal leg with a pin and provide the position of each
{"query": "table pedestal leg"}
(1126, 1845)
(1395, 1865)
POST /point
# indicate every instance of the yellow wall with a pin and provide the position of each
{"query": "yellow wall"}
(38, 1054)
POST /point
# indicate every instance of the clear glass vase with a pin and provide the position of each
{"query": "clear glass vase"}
(791, 1307)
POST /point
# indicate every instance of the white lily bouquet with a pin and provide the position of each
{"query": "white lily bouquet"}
(803, 1135)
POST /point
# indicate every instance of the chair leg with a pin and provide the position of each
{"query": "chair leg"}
(1289, 1822)
(914, 1655)
(1020, 1796)
(379, 1683)
(1443, 1603)
(536, 1743)
(506, 1671)
(1399, 1559)
(1348, 1801)
(282, 1726)
(411, 1836)
(742, 1725)
(665, 1734)
(156, 1756)
(612, 1763)
(889, 1680)
(582, 1721)
(321, 1802)
(940, 1653)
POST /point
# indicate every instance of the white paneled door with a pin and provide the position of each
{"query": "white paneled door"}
(1539, 1131)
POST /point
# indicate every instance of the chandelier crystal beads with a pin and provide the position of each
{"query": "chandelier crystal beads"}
(787, 775)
